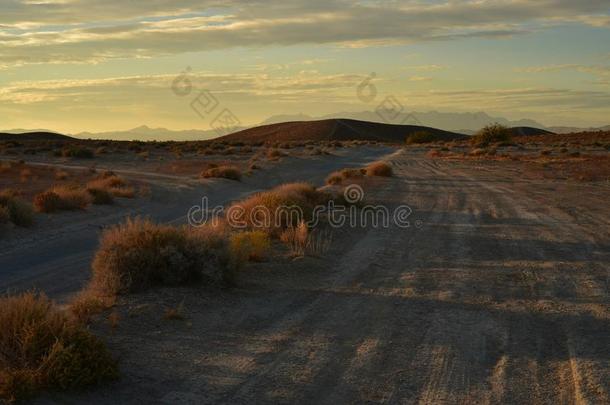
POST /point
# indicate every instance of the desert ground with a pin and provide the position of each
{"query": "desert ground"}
(497, 292)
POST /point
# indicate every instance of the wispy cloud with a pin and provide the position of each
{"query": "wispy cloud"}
(54, 31)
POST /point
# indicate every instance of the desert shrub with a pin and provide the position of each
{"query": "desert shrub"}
(420, 137)
(41, 348)
(492, 133)
(296, 237)
(338, 176)
(273, 154)
(250, 245)
(274, 210)
(100, 196)
(20, 212)
(334, 178)
(61, 175)
(478, 152)
(112, 184)
(139, 253)
(301, 240)
(226, 172)
(72, 197)
(76, 151)
(5, 215)
(47, 202)
(5, 167)
(381, 169)
(86, 304)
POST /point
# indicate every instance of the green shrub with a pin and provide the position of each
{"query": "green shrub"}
(41, 348)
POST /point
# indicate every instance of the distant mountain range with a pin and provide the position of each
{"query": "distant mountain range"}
(463, 123)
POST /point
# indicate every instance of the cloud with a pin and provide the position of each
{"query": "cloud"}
(419, 79)
(90, 31)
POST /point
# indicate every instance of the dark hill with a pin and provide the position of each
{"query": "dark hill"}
(529, 131)
(336, 130)
(34, 136)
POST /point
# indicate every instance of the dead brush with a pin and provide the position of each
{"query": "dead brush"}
(112, 184)
(250, 245)
(40, 348)
(301, 241)
(175, 313)
(339, 176)
(300, 198)
(226, 172)
(139, 254)
(381, 169)
(19, 211)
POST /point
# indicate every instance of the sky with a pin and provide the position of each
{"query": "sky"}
(103, 65)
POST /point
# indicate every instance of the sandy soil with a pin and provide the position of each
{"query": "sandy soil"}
(500, 295)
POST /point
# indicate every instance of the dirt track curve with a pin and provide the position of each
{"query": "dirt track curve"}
(500, 296)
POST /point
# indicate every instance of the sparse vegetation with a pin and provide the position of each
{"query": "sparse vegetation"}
(139, 253)
(250, 245)
(41, 348)
(420, 137)
(19, 211)
(62, 198)
(226, 172)
(76, 151)
(109, 183)
(381, 169)
(300, 198)
(490, 134)
(339, 176)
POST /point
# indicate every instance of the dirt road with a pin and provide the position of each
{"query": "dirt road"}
(500, 296)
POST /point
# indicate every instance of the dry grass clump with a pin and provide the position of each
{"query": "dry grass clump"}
(41, 348)
(76, 151)
(73, 197)
(381, 169)
(274, 154)
(19, 212)
(62, 198)
(301, 241)
(478, 152)
(61, 175)
(139, 254)
(274, 210)
(339, 176)
(86, 304)
(250, 245)
(420, 137)
(109, 183)
(225, 172)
